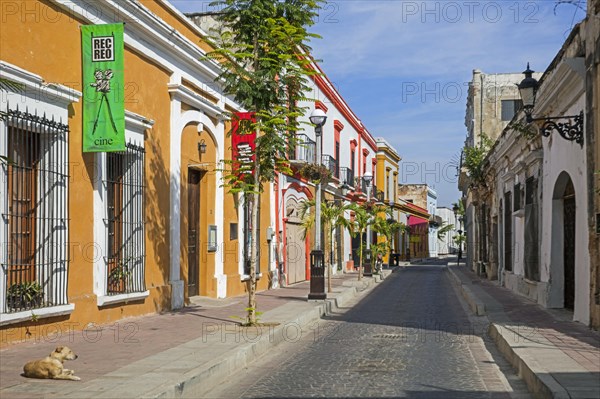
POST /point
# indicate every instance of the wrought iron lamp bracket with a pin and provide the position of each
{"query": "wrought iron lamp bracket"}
(571, 130)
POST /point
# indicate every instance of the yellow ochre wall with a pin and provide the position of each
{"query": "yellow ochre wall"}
(51, 48)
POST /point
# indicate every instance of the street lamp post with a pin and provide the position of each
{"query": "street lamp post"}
(460, 219)
(317, 256)
(368, 269)
(408, 238)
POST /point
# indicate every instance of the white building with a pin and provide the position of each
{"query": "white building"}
(434, 222)
(446, 244)
(531, 221)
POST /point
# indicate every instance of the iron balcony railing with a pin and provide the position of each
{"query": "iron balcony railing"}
(303, 149)
(378, 194)
(362, 186)
(330, 163)
(347, 176)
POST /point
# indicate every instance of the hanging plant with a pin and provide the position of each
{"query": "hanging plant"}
(315, 173)
(526, 130)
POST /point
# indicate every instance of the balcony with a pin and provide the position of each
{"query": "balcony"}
(347, 177)
(362, 186)
(303, 150)
(331, 164)
(378, 194)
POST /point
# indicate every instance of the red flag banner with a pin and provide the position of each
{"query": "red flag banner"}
(243, 145)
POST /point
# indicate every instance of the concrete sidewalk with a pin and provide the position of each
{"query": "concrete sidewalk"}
(178, 354)
(557, 358)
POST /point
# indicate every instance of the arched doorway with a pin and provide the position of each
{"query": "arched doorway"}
(569, 244)
(295, 247)
(197, 204)
(562, 250)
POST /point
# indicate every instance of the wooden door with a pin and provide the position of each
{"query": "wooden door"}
(569, 245)
(295, 253)
(193, 232)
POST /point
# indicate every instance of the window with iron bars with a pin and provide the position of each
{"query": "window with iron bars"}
(125, 223)
(34, 206)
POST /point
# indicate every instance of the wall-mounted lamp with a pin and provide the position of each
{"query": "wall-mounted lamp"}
(202, 147)
(571, 130)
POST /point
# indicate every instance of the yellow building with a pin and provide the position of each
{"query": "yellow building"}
(103, 236)
(386, 189)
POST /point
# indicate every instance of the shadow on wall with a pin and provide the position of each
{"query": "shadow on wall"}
(157, 219)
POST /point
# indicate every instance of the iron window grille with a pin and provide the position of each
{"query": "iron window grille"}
(517, 205)
(35, 211)
(125, 223)
(532, 245)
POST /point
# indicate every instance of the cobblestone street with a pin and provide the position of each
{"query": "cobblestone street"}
(411, 337)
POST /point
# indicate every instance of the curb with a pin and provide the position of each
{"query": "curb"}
(476, 305)
(539, 381)
(197, 382)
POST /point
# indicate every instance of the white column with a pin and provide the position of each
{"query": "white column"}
(175, 207)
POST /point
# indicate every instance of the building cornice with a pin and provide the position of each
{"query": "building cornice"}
(36, 86)
(325, 85)
(149, 35)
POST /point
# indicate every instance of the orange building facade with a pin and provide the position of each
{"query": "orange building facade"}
(160, 203)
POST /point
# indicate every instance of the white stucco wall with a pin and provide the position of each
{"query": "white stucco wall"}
(563, 94)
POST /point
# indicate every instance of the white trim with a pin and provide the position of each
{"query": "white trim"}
(245, 277)
(41, 313)
(186, 95)
(186, 20)
(148, 35)
(179, 120)
(50, 101)
(42, 91)
(105, 300)
(137, 122)
(135, 125)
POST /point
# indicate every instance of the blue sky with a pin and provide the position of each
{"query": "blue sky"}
(403, 66)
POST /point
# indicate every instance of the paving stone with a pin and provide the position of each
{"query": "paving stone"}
(405, 339)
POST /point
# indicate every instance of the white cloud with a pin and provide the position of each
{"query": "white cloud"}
(371, 50)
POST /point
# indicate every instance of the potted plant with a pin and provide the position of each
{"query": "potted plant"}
(24, 295)
(315, 173)
(118, 277)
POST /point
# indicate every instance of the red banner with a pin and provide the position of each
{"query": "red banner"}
(243, 144)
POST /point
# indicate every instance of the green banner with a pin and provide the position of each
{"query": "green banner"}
(103, 88)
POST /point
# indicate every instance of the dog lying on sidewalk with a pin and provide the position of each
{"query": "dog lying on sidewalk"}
(52, 366)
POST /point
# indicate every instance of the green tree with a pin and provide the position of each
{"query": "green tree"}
(441, 234)
(459, 239)
(262, 45)
(458, 208)
(332, 217)
(474, 158)
(385, 226)
(362, 218)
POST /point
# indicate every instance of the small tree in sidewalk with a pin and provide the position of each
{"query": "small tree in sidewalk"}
(262, 45)
(385, 226)
(332, 217)
(362, 219)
